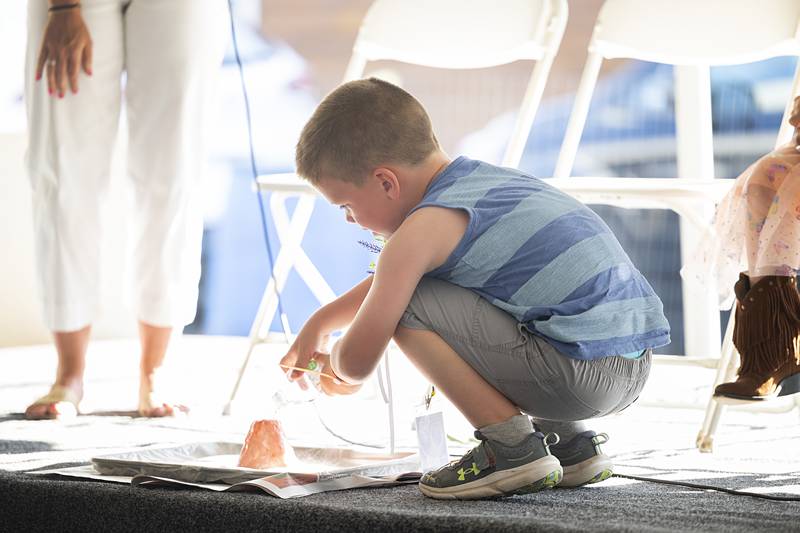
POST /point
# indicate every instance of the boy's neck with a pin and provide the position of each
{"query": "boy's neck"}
(424, 174)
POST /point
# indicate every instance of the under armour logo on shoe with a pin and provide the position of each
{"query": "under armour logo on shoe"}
(474, 470)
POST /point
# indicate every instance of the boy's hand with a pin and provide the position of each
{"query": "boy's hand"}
(333, 387)
(311, 343)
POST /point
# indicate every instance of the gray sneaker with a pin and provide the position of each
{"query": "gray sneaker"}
(582, 459)
(491, 469)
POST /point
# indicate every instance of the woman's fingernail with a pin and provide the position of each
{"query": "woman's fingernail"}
(38, 77)
(50, 92)
(61, 95)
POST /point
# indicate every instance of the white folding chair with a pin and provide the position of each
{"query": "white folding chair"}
(447, 34)
(692, 36)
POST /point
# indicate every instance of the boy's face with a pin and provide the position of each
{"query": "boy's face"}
(372, 205)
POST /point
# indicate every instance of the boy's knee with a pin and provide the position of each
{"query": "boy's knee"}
(414, 317)
(432, 295)
(401, 334)
(424, 291)
(418, 345)
(438, 306)
(406, 328)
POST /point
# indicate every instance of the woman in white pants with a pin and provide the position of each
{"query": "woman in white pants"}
(170, 51)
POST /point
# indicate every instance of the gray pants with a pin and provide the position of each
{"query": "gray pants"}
(532, 374)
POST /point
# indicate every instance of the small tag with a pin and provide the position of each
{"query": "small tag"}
(432, 441)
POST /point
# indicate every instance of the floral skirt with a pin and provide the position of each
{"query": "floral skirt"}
(756, 227)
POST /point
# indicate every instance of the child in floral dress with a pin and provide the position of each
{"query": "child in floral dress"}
(757, 236)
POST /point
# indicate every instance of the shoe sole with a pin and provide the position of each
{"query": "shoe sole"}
(550, 481)
(544, 473)
(594, 470)
(787, 387)
(790, 385)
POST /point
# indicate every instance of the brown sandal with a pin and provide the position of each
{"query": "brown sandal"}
(66, 400)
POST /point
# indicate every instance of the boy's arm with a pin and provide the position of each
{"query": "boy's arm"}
(341, 311)
(327, 319)
(423, 242)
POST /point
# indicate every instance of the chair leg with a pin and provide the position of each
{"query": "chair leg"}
(705, 439)
(726, 369)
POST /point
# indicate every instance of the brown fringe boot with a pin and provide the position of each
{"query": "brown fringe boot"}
(767, 335)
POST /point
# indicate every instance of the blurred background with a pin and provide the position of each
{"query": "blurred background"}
(294, 52)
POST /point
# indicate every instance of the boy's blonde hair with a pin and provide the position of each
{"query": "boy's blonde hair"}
(361, 125)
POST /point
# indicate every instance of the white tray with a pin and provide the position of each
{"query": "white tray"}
(215, 462)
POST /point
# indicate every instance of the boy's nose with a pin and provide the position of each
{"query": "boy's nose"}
(350, 219)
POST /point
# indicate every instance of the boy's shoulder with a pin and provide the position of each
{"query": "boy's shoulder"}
(427, 220)
(431, 230)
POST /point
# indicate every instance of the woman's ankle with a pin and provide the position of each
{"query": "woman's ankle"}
(73, 382)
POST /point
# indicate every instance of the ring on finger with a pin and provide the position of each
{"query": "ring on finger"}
(312, 364)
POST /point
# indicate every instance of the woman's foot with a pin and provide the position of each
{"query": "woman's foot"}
(62, 401)
(66, 393)
(154, 340)
(151, 404)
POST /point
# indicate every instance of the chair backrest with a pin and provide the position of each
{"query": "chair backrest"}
(692, 32)
(465, 34)
(692, 35)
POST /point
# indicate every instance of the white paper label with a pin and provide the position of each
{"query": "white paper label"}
(432, 441)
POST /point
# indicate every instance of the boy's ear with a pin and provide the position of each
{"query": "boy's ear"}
(388, 181)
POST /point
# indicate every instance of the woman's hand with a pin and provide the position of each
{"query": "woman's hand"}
(66, 47)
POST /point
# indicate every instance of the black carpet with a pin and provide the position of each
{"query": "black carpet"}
(37, 503)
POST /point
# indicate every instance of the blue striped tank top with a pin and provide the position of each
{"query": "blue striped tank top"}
(548, 260)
